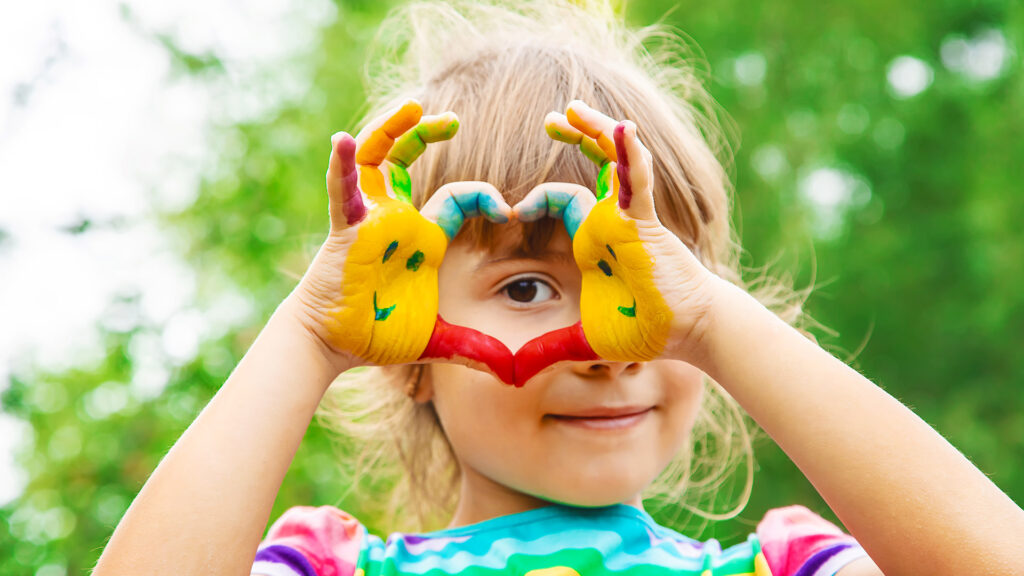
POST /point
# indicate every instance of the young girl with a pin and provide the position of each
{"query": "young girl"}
(605, 261)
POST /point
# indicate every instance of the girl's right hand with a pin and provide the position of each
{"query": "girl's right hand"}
(370, 294)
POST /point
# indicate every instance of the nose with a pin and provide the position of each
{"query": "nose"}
(605, 368)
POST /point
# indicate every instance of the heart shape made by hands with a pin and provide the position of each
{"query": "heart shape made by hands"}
(399, 249)
(572, 205)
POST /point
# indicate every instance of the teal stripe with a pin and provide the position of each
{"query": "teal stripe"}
(616, 540)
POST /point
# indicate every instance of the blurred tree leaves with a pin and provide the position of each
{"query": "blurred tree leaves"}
(903, 208)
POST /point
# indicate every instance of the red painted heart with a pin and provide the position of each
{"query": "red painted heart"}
(449, 341)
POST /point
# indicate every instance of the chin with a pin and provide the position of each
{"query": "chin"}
(582, 499)
(590, 492)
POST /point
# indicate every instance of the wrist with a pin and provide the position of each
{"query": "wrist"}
(295, 313)
(698, 345)
(737, 322)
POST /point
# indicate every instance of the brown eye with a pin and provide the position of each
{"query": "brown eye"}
(528, 290)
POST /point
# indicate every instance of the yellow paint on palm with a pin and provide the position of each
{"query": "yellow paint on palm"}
(553, 571)
(624, 316)
(388, 305)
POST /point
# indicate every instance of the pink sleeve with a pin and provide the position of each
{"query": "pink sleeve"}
(307, 541)
(798, 542)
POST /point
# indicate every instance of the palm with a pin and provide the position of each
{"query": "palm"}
(372, 290)
(622, 310)
(386, 303)
(640, 282)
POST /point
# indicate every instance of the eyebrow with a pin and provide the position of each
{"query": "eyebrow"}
(520, 255)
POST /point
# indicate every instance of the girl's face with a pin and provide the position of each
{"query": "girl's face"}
(545, 440)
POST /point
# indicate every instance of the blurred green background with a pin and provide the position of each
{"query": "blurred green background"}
(879, 155)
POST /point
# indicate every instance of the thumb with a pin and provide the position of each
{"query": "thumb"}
(345, 200)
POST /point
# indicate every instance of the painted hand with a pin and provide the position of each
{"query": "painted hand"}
(371, 292)
(644, 293)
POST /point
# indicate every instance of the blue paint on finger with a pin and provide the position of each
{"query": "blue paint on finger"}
(456, 209)
(450, 218)
(489, 208)
(564, 205)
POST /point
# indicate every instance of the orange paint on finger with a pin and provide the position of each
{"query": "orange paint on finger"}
(371, 181)
(606, 144)
(378, 143)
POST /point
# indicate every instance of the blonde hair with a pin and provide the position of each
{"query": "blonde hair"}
(501, 66)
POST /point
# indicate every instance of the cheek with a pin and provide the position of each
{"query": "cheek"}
(684, 395)
(483, 418)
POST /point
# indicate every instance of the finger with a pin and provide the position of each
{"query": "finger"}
(456, 202)
(458, 344)
(345, 201)
(594, 124)
(565, 344)
(606, 181)
(375, 140)
(411, 145)
(558, 128)
(561, 200)
(635, 171)
(434, 128)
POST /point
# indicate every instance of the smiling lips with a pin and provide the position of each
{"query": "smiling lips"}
(449, 341)
(604, 418)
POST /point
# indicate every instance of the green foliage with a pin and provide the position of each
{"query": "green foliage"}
(920, 272)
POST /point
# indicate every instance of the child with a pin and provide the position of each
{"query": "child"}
(621, 312)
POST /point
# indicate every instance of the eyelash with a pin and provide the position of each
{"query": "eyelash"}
(515, 303)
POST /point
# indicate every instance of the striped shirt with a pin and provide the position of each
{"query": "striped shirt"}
(551, 541)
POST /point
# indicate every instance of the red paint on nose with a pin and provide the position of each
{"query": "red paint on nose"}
(567, 343)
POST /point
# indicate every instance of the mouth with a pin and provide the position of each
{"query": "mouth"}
(604, 417)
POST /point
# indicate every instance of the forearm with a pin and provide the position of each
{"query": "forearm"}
(204, 509)
(911, 499)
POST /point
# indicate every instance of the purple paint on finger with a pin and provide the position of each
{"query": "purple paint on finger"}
(351, 198)
(622, 167)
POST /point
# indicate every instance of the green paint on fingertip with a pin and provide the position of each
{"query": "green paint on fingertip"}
(630, 312)
(389, 251)
(414, 261)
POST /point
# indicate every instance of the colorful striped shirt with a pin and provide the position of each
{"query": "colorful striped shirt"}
(551, 541)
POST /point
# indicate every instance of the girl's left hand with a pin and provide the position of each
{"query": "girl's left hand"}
(644, 295)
